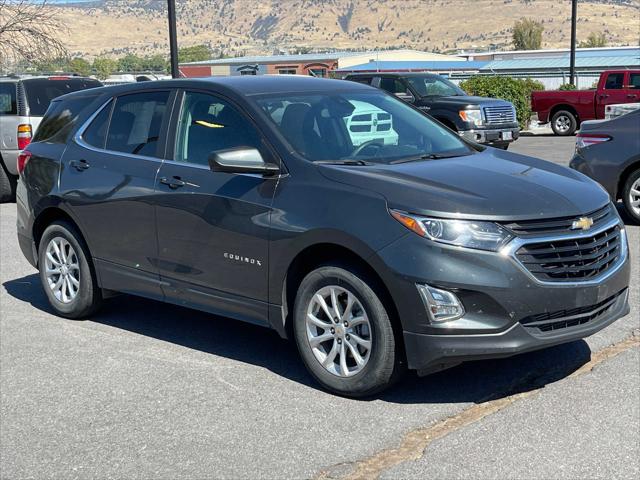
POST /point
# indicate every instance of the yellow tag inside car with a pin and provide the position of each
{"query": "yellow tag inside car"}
(208, 124)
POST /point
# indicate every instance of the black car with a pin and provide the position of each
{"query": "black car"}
(483, 120)
(609, 152)
(247, 197)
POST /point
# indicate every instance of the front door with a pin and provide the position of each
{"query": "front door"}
(107, 179)
(213, 228)
(615, 91)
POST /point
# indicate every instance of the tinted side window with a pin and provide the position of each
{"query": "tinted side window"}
(136, 122)
(392, 85)
(614, 81)
(60, 120)
(207, 124)
(364, 80)
(8, 99)
(96, 133)
(634, 81)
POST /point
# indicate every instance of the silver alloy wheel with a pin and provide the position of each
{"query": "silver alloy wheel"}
(563, 123)
(634, 197)
(338, 331)
(62, 270)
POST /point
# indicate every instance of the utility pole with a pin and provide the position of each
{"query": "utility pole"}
(173, 39)
(574, 19)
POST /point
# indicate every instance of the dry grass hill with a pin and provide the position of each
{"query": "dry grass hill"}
(249, 26)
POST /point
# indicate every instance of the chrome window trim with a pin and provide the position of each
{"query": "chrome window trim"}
(80, 141)
(514, 245)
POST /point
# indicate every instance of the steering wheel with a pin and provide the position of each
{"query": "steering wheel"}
(370, 143)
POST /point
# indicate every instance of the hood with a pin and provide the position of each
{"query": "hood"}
(462, 101)
(493, 184)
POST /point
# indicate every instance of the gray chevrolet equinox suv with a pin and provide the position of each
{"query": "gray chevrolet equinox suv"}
(248, 198)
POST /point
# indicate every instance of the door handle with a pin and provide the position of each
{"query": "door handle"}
(174, 182)
(79, 165)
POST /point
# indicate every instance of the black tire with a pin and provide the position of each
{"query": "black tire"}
(89, 296)
(7, 185)
(626, 195)
(503, 146)
(562, 118)
(383, 367)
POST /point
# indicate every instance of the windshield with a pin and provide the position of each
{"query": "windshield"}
(353, 126)
(40, 91)
(434, 86)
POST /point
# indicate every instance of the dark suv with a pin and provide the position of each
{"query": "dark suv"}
(247, 197)
(483, 120)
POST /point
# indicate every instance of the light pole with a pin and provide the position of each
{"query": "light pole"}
(173, 39)
(574, 18)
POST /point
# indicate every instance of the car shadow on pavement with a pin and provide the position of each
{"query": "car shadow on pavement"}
(470, 382)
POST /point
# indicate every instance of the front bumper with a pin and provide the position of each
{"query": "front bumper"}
(495, 136)
(501, 300)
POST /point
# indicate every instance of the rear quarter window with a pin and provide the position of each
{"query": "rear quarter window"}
(8, 105)
(61, 119)
(41, 91)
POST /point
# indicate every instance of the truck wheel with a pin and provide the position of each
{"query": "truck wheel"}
(631, 195)
(344, 334)
(564, 123)
(66, 272)
(7, 186)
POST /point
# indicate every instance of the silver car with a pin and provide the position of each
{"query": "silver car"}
(23, 101)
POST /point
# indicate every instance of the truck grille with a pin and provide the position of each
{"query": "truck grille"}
(550, 321)
(501, 114)
(558, 225)
(573, 259)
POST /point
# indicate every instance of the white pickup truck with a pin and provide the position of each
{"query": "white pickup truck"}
(23, 101)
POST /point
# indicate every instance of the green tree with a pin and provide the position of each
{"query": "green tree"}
(595, 39)
(104, 67)
(155, 63)
(527, 34)
(130, 63)
(196, 53)
(80, 66)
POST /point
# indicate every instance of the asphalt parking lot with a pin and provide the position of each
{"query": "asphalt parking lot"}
(147, 390)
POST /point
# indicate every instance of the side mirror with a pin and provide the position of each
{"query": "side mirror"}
(241, 160)
(406, 96)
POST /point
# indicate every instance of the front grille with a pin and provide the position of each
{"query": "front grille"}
(501, 114)
(550, 321)
(573, 259)
(558, 225)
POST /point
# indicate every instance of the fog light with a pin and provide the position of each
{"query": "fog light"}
(442, 305)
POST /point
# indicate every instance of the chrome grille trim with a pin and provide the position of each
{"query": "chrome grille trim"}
(500, 114)
(512, 247)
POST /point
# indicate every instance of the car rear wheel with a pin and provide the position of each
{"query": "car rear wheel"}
(631, 195)
(564, 123)
(344, 334)
(67, 276)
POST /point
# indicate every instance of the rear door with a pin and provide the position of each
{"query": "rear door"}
(213, 227)
(107, 181)
(614, 91)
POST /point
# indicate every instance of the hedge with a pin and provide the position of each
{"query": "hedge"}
(514, 90)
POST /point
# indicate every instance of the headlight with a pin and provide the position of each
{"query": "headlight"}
(462, 233)
(471, 116)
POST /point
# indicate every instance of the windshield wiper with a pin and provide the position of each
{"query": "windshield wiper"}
(428, 156)
(343, 162)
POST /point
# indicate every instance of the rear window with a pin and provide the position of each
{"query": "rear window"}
(40, 91)
(8, 99)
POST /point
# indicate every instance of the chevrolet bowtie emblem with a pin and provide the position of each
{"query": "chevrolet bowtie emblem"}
(583, 223)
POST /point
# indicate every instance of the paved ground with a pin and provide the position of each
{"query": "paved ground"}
(146, 390)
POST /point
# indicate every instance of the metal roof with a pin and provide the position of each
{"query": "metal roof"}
(279, 58)
(563, 63)
(410, 66)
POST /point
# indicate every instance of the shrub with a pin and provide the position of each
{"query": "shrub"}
(514, 90)
(567, 86)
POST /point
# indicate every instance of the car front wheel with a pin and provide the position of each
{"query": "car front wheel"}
(344, 334)
(631, 195)
(67, 276)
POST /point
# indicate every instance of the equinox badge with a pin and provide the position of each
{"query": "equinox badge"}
(583, 223)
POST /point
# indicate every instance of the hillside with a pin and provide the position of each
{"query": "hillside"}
(247, 27)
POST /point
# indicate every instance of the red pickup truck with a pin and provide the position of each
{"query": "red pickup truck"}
(566, 109)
